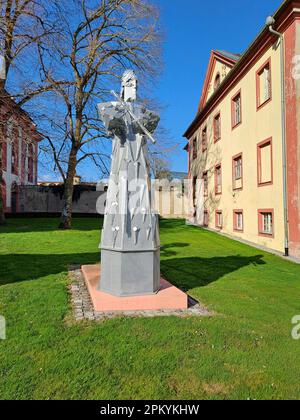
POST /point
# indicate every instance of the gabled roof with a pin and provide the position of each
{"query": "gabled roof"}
(287, 12)
(230, 56)
(227, 58)
(8, 101)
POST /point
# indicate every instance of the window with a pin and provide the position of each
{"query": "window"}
(219, 219)
(194, 189)
(266, 222)
(204, 139)
(217, 81)
(218, 179)
(217, 127)
(236, 108)
(3, 186)
(205, 183)
(14, 161)
(30, 163)
(237, 168)
(238, 220)
(205, 219)
(195, 151)
(195, 196)
(265, 163)
(263, 84)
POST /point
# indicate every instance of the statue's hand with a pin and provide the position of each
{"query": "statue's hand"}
(149, 120)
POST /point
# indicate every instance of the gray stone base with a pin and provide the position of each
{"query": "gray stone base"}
(130, 273)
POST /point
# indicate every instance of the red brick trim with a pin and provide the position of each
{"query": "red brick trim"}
(292, 141)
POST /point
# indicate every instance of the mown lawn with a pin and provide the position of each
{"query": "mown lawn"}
(245, 351)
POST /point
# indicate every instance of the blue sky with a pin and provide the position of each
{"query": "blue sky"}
(192, 29)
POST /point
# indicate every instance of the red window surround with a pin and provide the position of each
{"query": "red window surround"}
(234, 122)
(206, 219)
(218, 179)
(260, 146)
(217, 127)
(237, 183)
(261, 231)
(219, 219)
(260, 104)
(236, 227)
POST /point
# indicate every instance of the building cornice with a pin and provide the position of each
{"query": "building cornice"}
(7, 101)
(288, 12)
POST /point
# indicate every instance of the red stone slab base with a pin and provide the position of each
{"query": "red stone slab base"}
(168, 297)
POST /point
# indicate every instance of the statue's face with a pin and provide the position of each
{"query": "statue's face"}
(129, 79)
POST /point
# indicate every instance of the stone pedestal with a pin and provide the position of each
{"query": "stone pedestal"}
(130, 273)
(168, 296)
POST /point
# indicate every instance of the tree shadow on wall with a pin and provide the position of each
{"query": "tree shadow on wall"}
(191, 272)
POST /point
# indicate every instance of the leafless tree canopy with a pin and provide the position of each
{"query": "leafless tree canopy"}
(23, 25)
(76, 51)
(82, 62)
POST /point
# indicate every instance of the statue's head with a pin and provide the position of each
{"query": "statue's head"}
(129, 86)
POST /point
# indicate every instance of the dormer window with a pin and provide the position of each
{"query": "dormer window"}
(217, 81)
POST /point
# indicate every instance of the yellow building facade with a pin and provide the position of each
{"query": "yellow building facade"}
(235, 143)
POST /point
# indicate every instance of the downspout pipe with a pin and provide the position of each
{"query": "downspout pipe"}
(270, 23)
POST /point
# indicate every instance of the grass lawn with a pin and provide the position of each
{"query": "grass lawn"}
(245, 351)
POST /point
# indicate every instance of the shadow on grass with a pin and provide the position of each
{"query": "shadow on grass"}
(186, 273)
(191, 272)
(24, 267)
(23, 225)
(166, 250)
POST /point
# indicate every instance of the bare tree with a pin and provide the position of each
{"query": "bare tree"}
(97, 41)
(23, 25)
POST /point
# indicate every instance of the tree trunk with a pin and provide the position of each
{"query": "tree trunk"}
(66, 215)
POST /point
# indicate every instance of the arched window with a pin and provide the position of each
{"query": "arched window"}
(30, 162)
(217, 81)
(14, 197)
(4, 193)
(14, 160)
(14, 150)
